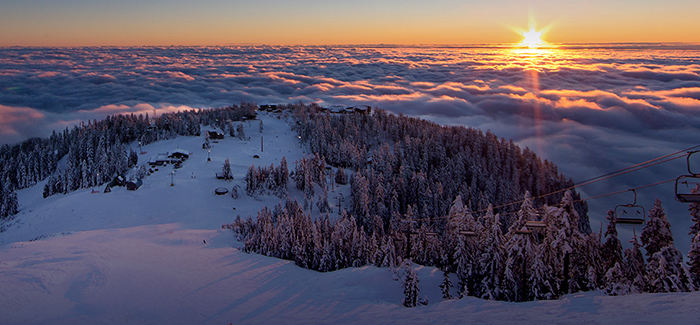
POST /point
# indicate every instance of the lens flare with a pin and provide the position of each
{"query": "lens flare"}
(532, 39)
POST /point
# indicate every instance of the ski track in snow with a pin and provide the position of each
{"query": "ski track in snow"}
(158, 256)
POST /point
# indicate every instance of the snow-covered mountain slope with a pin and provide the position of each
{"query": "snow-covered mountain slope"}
(157, 255)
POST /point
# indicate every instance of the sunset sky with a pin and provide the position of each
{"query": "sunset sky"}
(310, 22)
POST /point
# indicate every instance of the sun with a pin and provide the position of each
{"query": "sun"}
(532, 39)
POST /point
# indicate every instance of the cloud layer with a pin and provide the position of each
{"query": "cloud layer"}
(591, 110)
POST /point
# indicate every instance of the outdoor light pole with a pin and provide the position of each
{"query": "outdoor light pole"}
(172, 179)
(209, 155)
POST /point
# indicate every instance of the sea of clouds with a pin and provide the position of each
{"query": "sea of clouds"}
(589, 109)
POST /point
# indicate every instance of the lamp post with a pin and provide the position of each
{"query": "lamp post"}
(172, 178)
(209, 155)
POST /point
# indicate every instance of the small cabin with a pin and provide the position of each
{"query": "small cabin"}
(362, 109)
(159, 160)
(269, 108)
(215, 135)
(117, 181)
(133, 186)
(179, 154)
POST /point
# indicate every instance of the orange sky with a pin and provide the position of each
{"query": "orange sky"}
(218, 22)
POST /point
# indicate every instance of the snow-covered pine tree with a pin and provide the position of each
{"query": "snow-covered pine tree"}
(341, 177)
(657, 231)
(694, 260)
(542, 285)
(231, 130)
(616, 283)
(612, 248)
(282, 178)
(694, 209)
(388, 252)
(234, 192)
(595, 270)
(567, 244)
(361, 199)
(520, 249)
(133, 158)
(635, 266)
(322, 203)
(240, 131)
(8, 200)
(492, 260)
(411, 291)
(226, 169)
(694, 252)
(666, 272)
(446, 285)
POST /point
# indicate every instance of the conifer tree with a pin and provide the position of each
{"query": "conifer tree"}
(520, 252)
(635, 266)
(445, 285)
(666, 272)
(226, 169)
(694, 252)
(542, 285)
(411, 291)
(492, 260)
(240, 131)
(616, 283)
(612, 249)
(657, 231)
(694, 209)
(694, 260)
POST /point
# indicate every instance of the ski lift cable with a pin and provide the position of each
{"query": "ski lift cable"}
(626, 170)
(579, 200)
(597, 179)
(684, 152)
(620, 192)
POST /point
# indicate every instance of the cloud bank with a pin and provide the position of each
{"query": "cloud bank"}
(590, 109)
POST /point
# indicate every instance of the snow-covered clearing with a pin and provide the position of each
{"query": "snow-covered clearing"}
(157, 255)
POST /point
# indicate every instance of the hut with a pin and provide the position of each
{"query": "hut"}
(133, 186)
(159, 160)
(179, 154)
(108, 189)
(215, 135)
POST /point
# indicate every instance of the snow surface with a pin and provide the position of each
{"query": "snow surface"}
(158, 255)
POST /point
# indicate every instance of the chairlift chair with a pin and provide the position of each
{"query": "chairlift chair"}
(684, 193)
(630, 214)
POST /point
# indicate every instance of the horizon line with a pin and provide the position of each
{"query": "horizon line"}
(549, 45)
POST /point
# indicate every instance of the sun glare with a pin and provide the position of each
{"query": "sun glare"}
(532, 39)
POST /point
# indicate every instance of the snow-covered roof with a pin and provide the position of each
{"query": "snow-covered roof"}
(180, 151)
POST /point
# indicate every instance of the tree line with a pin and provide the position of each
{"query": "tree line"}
(426, 193)
(93, 152)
